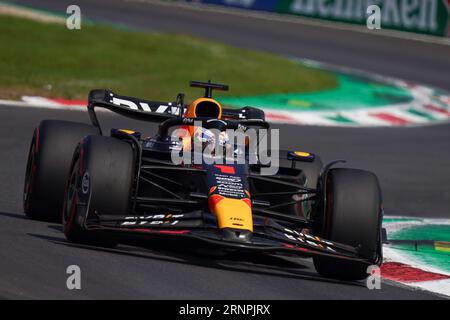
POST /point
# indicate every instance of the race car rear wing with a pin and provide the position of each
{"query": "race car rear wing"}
(154, 111)
(138, 109)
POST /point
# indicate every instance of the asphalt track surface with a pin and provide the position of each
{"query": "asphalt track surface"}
(412, 164)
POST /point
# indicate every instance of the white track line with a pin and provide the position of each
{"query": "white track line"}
(29, 13)
(438, 286)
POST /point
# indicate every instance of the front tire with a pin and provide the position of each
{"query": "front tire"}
(101, 180)
(353, 216)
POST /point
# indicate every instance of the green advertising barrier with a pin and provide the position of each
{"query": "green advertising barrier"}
(420, 16)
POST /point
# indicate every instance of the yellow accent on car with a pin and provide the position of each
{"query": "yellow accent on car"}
(127, 131)
(302, 154)
(234, 213)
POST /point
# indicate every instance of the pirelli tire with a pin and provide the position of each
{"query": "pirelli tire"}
(100, 182)
(48, 165)
(353, 215)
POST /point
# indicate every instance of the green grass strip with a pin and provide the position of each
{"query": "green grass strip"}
(50, 60)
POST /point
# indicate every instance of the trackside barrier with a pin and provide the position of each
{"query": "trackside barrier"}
(431, 17)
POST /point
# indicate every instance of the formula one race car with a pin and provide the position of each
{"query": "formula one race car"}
(107, 188)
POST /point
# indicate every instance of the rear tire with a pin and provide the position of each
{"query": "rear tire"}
(101, 180)
(352, 216)
(48, 165)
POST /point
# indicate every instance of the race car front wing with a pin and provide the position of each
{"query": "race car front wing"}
(268, 235)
